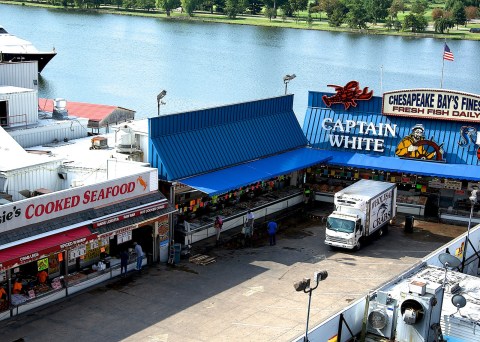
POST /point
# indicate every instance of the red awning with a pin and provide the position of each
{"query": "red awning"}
(37, 249)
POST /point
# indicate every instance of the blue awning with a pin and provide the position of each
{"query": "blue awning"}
(224, 180)
(408, 166)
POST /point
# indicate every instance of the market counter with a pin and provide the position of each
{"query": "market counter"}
(202, 228)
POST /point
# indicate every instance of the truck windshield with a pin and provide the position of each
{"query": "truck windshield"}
(340, 225)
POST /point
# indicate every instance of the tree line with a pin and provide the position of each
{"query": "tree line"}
(356, 14)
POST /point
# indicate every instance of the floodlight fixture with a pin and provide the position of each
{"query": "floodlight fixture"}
(287, 78)
(160, 96)
(304, 285)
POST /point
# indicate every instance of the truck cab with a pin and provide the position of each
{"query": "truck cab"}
(344, 230)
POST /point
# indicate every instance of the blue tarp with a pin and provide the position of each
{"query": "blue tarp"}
(407, 166)
(221, 181)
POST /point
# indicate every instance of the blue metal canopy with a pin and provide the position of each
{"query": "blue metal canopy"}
(224, 180)
(394, 164)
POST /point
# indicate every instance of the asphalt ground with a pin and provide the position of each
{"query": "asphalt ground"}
(247, 294)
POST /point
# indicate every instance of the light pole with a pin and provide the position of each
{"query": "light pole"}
(286, 79)
(473, 200)
(304, 285)
(160, 96)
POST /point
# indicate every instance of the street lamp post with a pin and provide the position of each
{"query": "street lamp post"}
(286, 79)
(473, 200)
(160, 96)
(304, 285)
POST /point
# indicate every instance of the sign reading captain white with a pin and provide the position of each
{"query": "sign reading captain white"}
(432, 104)
(358, 135)
(65, 202)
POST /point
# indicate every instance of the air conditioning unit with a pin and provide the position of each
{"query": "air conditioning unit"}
(418, 315)
(382, 316)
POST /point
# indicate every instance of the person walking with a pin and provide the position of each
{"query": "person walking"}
(272, 230)
(139, 251)
(123, 263)
(218, 227)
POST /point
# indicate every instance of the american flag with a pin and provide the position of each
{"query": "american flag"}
(447, 54)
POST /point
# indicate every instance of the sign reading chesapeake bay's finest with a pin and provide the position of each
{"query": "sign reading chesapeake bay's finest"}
(432, 104)
(61, 203)
(358, 135)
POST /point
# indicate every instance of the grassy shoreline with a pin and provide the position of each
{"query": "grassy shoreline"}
(319, 25)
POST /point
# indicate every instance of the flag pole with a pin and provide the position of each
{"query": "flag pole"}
(443, 63)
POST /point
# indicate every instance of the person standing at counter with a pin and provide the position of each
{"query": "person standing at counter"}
(218, 227)
(42, 277)
(272, 230)
(123, 263)
(17, 286)
(139, 251)
(250, 218)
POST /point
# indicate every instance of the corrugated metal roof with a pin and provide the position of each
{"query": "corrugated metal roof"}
(97, 115)
(192, 143)
(442, 132)
(224, 180)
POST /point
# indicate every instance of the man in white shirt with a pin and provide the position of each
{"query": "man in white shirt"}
(139, 252)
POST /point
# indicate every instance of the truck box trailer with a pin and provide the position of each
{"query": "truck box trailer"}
(361, 210)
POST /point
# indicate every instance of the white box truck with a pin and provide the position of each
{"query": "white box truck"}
(361, 210)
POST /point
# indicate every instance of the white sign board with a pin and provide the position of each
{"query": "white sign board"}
(432, 104)
(65, 202)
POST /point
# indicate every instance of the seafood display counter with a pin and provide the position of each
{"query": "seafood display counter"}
(200, 228)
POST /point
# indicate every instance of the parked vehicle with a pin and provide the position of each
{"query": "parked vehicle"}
(361, 210)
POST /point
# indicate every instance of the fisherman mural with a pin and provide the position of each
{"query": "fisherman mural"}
(469, 136)
(416, 146)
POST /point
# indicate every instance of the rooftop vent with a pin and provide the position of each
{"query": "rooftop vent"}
(60, 109)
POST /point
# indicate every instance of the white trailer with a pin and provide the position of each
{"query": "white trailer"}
(362, 209)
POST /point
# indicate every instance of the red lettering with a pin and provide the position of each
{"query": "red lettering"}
(27, 212)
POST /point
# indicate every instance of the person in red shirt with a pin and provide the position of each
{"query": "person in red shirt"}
(42, 277)
(17, 286)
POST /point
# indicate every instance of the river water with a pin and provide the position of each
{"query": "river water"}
(126, 61)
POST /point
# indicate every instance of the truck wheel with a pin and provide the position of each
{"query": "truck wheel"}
(358, 246)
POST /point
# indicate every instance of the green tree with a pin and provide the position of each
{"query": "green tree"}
(357, 16)
(297, 6)
(377, 9)
(189, 6)
(234, 7)
(168, 5)
(397, 6)
(443, 24)
(255, 6)
(336, 13)
(419, 7)
(415, 22)
(270, 13)
(219, 5)
(458, 11)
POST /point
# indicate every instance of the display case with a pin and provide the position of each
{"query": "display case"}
(411, 204)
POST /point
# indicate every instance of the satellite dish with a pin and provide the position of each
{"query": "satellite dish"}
(459, 301)
(449, 260)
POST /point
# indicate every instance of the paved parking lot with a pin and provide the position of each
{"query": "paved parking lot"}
(246, 295)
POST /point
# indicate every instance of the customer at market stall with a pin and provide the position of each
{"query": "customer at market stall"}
(42, 277)
(139, 251)
(3, 293)
(272, 230)
(250, 219)
(218, 227)
(123, 263)
(17, 286)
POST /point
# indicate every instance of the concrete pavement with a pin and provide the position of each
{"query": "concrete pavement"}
(246, 295)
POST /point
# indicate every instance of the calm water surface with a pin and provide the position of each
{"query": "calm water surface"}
(126, 61)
